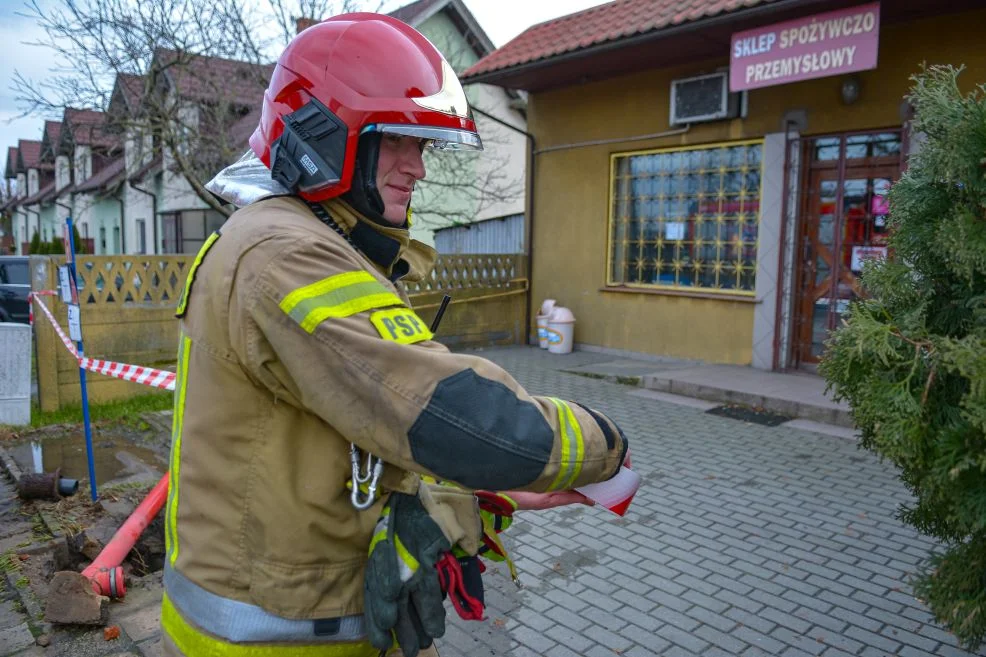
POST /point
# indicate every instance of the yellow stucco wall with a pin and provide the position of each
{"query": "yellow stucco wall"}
(572, 186)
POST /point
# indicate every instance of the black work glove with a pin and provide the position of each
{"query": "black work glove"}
(402, 595)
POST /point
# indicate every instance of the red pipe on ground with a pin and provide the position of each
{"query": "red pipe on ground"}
(105, 573)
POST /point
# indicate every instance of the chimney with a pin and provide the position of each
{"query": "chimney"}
(302, 24)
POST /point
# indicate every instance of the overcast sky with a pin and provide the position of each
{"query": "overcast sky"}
(501, 19)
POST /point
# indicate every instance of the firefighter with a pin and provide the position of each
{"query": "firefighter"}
(311, 400)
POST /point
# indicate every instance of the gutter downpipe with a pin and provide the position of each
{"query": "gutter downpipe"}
(529, 238)
(38, 215)
(62, 205)
(123, 225)
(72, 239)
(153, 210)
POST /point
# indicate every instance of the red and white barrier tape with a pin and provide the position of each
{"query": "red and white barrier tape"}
(30, 304)
(147, 376)
(51, 318)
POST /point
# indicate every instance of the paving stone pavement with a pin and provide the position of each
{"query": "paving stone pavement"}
(15, 631)
(743, 541)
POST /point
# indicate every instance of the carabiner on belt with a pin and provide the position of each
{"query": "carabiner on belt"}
(369, 473)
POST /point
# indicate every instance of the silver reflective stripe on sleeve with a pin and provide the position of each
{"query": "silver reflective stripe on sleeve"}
(240, 622)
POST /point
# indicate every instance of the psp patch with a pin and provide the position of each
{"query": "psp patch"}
(401, 325)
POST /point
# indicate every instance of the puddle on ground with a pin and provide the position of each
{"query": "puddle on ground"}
(117, 460)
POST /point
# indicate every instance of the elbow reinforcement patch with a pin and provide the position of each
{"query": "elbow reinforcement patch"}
(475, 431)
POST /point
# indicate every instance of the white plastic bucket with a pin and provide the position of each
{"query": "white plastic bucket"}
(561, 331)
(542, 324)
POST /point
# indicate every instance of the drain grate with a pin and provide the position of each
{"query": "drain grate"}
(750, 414)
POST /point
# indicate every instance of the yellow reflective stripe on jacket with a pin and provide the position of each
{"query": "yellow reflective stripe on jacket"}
(341, 295)
(181, 383)
(190, 278)
(572, 447)
(194, 643)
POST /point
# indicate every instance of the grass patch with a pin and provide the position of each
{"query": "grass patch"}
(7, 562)
(126, 410)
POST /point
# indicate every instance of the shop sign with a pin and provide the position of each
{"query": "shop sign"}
(816, 46)
(861, 254)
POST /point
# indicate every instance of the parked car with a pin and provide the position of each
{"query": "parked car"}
(15, 284)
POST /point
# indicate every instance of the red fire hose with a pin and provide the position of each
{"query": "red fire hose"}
(105, 573)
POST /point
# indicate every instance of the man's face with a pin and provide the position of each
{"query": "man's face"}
(399, 166)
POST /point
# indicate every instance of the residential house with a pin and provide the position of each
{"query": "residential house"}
(128, 191)
(35, 182)
(93, 153)
(491, 184)
(710, 177)
(9, 209)
(220, 100)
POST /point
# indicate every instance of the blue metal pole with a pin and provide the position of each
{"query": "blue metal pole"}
(82, 371)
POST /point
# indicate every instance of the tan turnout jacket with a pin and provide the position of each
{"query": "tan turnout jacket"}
(294, 345)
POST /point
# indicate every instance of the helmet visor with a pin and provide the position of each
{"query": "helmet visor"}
(441, 139)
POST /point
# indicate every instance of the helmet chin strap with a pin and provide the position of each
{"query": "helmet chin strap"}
(363, 194)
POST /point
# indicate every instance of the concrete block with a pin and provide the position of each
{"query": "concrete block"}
(142, 623)
(15, 374)
(72, 601)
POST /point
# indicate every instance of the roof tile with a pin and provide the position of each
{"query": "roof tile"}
(205, 78)
(615, 20)
(30, 153)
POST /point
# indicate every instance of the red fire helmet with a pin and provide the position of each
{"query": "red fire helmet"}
(350, 75)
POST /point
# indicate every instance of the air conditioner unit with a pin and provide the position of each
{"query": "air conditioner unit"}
(705, 98)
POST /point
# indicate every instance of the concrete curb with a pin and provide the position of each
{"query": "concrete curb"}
(804, 410)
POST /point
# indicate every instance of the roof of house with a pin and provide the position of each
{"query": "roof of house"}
(416, 13)
(10, 168)
(105, 177)
(132, 87)
(198, 77)
(88, 128)
(29, 154)
(49, 138)
(598, 25)
(410, 12)
(152, 165)
(45, 193)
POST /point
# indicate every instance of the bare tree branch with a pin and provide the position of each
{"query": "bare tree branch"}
(191, 75)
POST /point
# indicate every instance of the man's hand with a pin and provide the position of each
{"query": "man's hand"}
(527, 501)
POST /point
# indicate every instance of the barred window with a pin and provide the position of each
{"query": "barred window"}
(686, 218)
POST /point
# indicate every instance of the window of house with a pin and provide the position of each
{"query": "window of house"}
(686, 219)
(141, 237)
(102, 240)
(186, 231)
(170, 234)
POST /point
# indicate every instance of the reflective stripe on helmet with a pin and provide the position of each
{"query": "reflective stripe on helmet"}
(438, 138)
